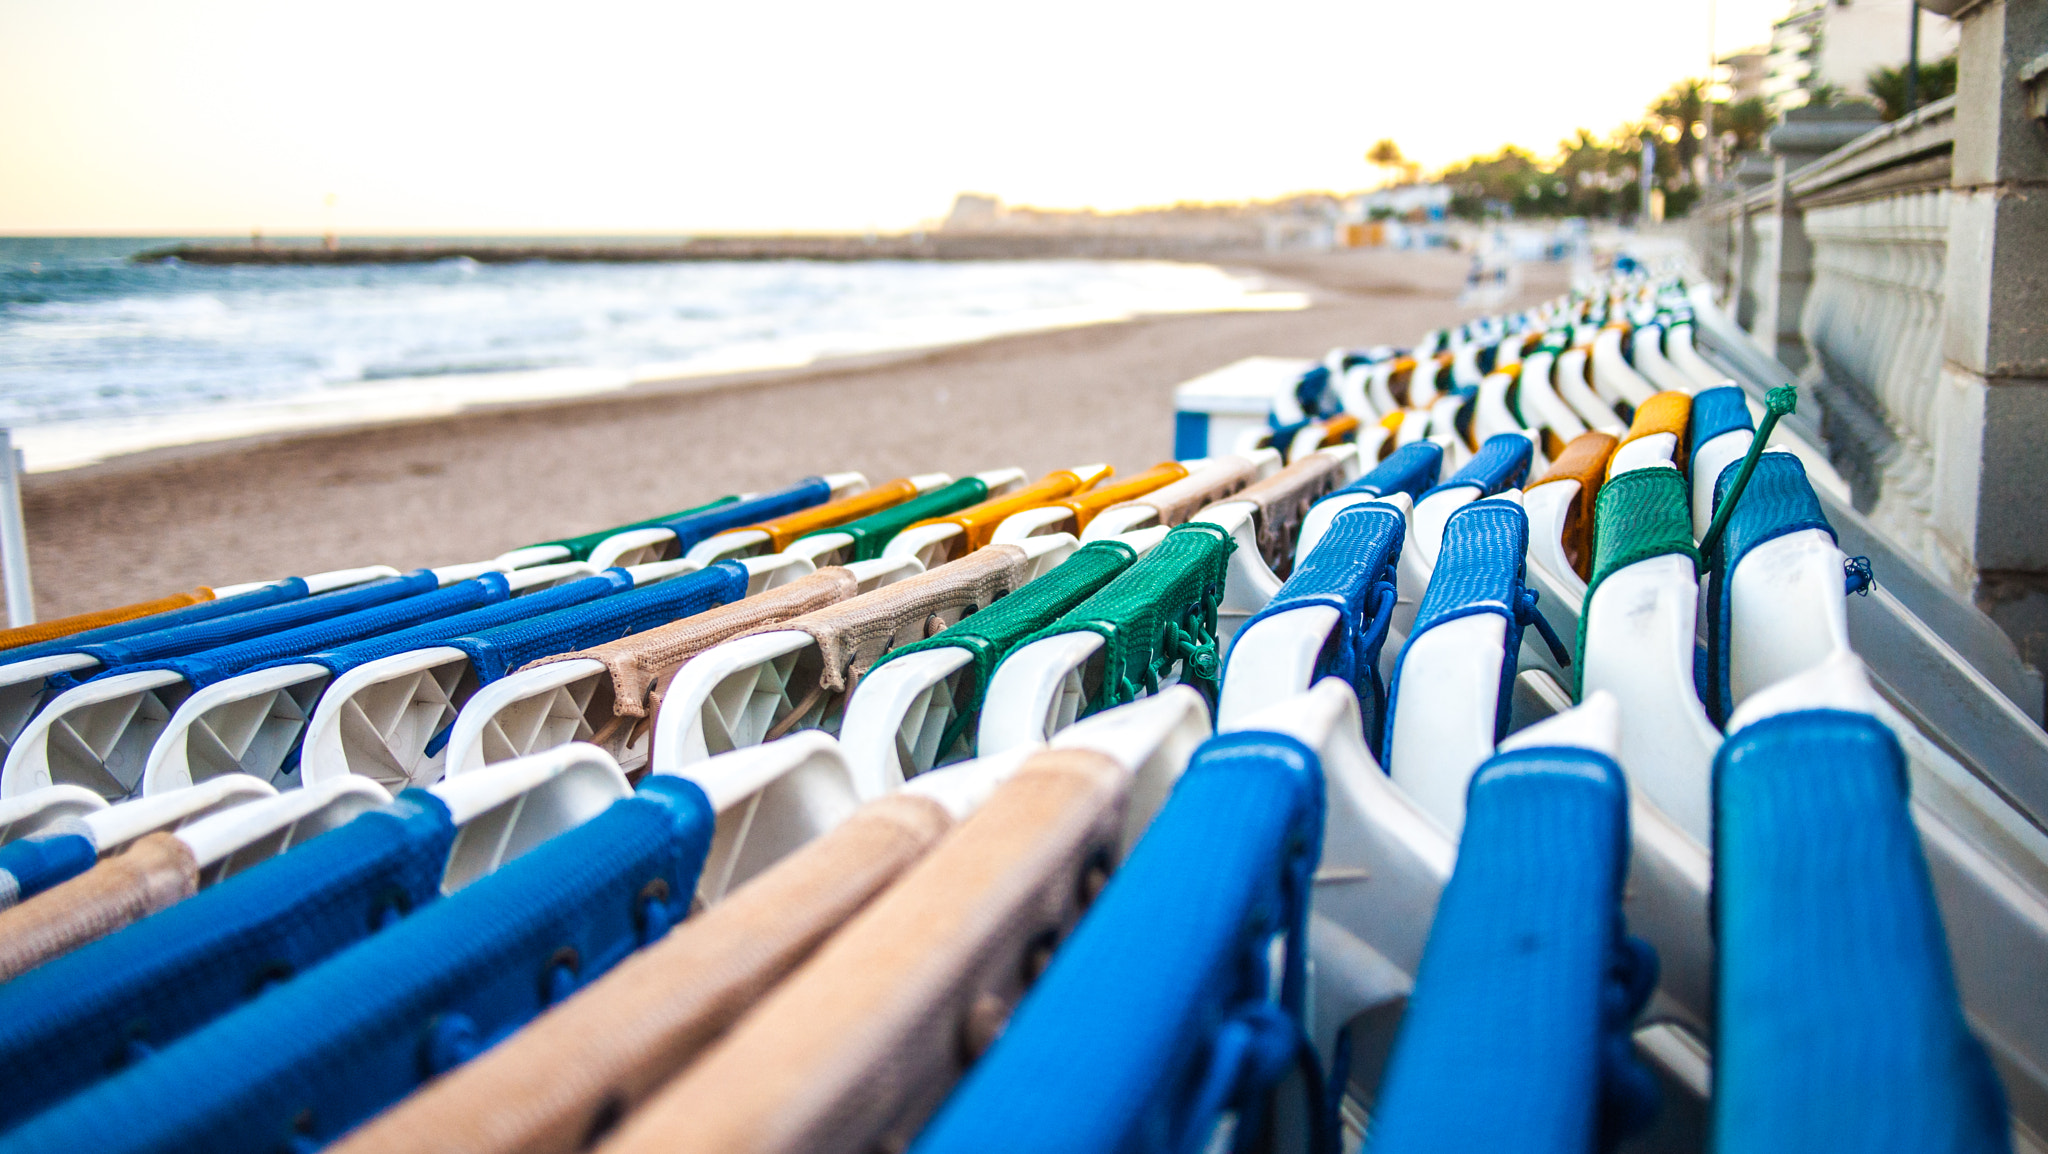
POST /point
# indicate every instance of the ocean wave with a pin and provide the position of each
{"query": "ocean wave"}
(92, 339)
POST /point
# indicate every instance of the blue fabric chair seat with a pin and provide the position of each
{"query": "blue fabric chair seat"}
(1839, 1027)
(313, 1057)
(1516, 1036)
(1156, 1015)
(103, 1006)
(211, 665)
(1351, 570)
(275, 593)
(1410, 469)
(437, 632)
(1501, 463)
(195, 636)
(1480, 569)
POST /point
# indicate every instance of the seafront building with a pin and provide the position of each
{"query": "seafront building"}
(1838, 43)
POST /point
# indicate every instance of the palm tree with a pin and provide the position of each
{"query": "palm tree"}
(1888, 85)
(1681, 108)
(1386, 155)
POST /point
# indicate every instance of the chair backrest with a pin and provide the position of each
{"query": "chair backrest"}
(1517, 1033)
(1163, 994)
(1838, 1024)
(1455, 676)
(1778, 503)
(1351, 571)
(321, 1053)
(64, 1025)
(499, 650)
(1158, 612)
(269, 617)
(989, 635)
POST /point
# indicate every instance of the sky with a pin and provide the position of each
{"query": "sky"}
(680, 116)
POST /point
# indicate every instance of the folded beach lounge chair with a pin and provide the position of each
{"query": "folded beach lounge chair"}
(799, 673)
(313, 1056)
(614, 1044)
(1150, 627)
(917, 708)
(778, 534)
(674, 537)
(392, 717)
(99, 733)
(917, 984)
(616, 688)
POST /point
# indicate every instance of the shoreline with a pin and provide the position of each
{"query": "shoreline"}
(457, 488)
(64, 445)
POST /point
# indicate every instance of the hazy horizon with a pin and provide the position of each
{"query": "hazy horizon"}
(633, 118)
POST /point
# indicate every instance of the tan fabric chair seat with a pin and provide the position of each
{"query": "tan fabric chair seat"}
(1283, 499)
(856, 1049)
(638, 664)
(854, 634)
(156, 872)
(1213, 482)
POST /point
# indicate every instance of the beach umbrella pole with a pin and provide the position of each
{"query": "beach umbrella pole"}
(21, 602)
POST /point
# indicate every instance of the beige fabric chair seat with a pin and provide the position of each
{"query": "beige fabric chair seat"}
(856, 1049)
(156, 872)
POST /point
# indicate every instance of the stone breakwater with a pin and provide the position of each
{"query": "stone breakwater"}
(911, 246)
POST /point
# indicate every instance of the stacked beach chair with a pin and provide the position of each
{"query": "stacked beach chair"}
(1477, 752)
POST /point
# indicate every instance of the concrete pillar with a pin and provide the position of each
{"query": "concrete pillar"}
(1776, 324)
(1741, 240)
(1991, 454)
(1806, 135)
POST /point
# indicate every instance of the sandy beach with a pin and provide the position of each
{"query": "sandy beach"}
(470, 486)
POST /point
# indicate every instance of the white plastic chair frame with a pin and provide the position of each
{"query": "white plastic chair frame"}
(1647, 346)
(831, 548)
(99, 734)
(755, 542)
(640, 546)
(900, 712)
(537, 709)
(22, 694)
(376, 719)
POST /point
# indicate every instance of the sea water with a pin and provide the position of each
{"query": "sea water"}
(101, 354)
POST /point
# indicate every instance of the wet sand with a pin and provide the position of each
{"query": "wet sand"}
(471, 486)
